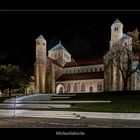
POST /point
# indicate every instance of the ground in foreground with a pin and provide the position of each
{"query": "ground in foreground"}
(67, 123)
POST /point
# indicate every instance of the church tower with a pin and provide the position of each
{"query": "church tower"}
(60, 54)
(116, 32)
(112, 76)
(40, 65)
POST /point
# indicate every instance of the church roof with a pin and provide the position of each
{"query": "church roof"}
(40, 38)
(83, 63)
(82, 76)
(54, 62)
(71, 64)
(117, 21)
(125, 36)
(59, 46)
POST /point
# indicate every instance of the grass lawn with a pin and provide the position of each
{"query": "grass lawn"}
(120, 102)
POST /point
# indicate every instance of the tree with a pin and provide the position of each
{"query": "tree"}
(11, 77)
(122, 58)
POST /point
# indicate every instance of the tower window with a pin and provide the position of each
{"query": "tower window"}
(116, 28)
(38, 43)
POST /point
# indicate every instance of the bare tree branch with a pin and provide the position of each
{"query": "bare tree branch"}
(121, 57)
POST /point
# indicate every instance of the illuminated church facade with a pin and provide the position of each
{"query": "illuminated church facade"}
(57, 72)
(124, 50)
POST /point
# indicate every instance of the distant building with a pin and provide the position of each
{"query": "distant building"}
(58, 73)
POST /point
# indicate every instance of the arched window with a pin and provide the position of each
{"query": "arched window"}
(82, 87)
(37, 43)
(68, 87)
(99, 86)
(78, 71)
(90, 89)
(116, 28)
(75, 87)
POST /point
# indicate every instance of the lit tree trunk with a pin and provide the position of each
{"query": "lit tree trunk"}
(125, 84)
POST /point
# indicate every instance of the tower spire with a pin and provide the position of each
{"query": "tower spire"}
(40, 37)
(117, 21)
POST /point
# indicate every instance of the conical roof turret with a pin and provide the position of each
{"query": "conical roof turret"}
(40, 38)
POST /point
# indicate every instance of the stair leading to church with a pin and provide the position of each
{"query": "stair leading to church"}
(36, 101)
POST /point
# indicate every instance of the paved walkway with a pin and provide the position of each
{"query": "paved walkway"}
(68, 114)
(56, 102)
(33, 106)
(25, 105)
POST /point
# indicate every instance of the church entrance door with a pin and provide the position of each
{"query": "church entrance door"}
(60, 89)
(91, 89)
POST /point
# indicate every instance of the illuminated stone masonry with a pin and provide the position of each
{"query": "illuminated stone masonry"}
(57, 72)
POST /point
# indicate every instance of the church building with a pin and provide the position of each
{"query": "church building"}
(124, 54)
(56, 72)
